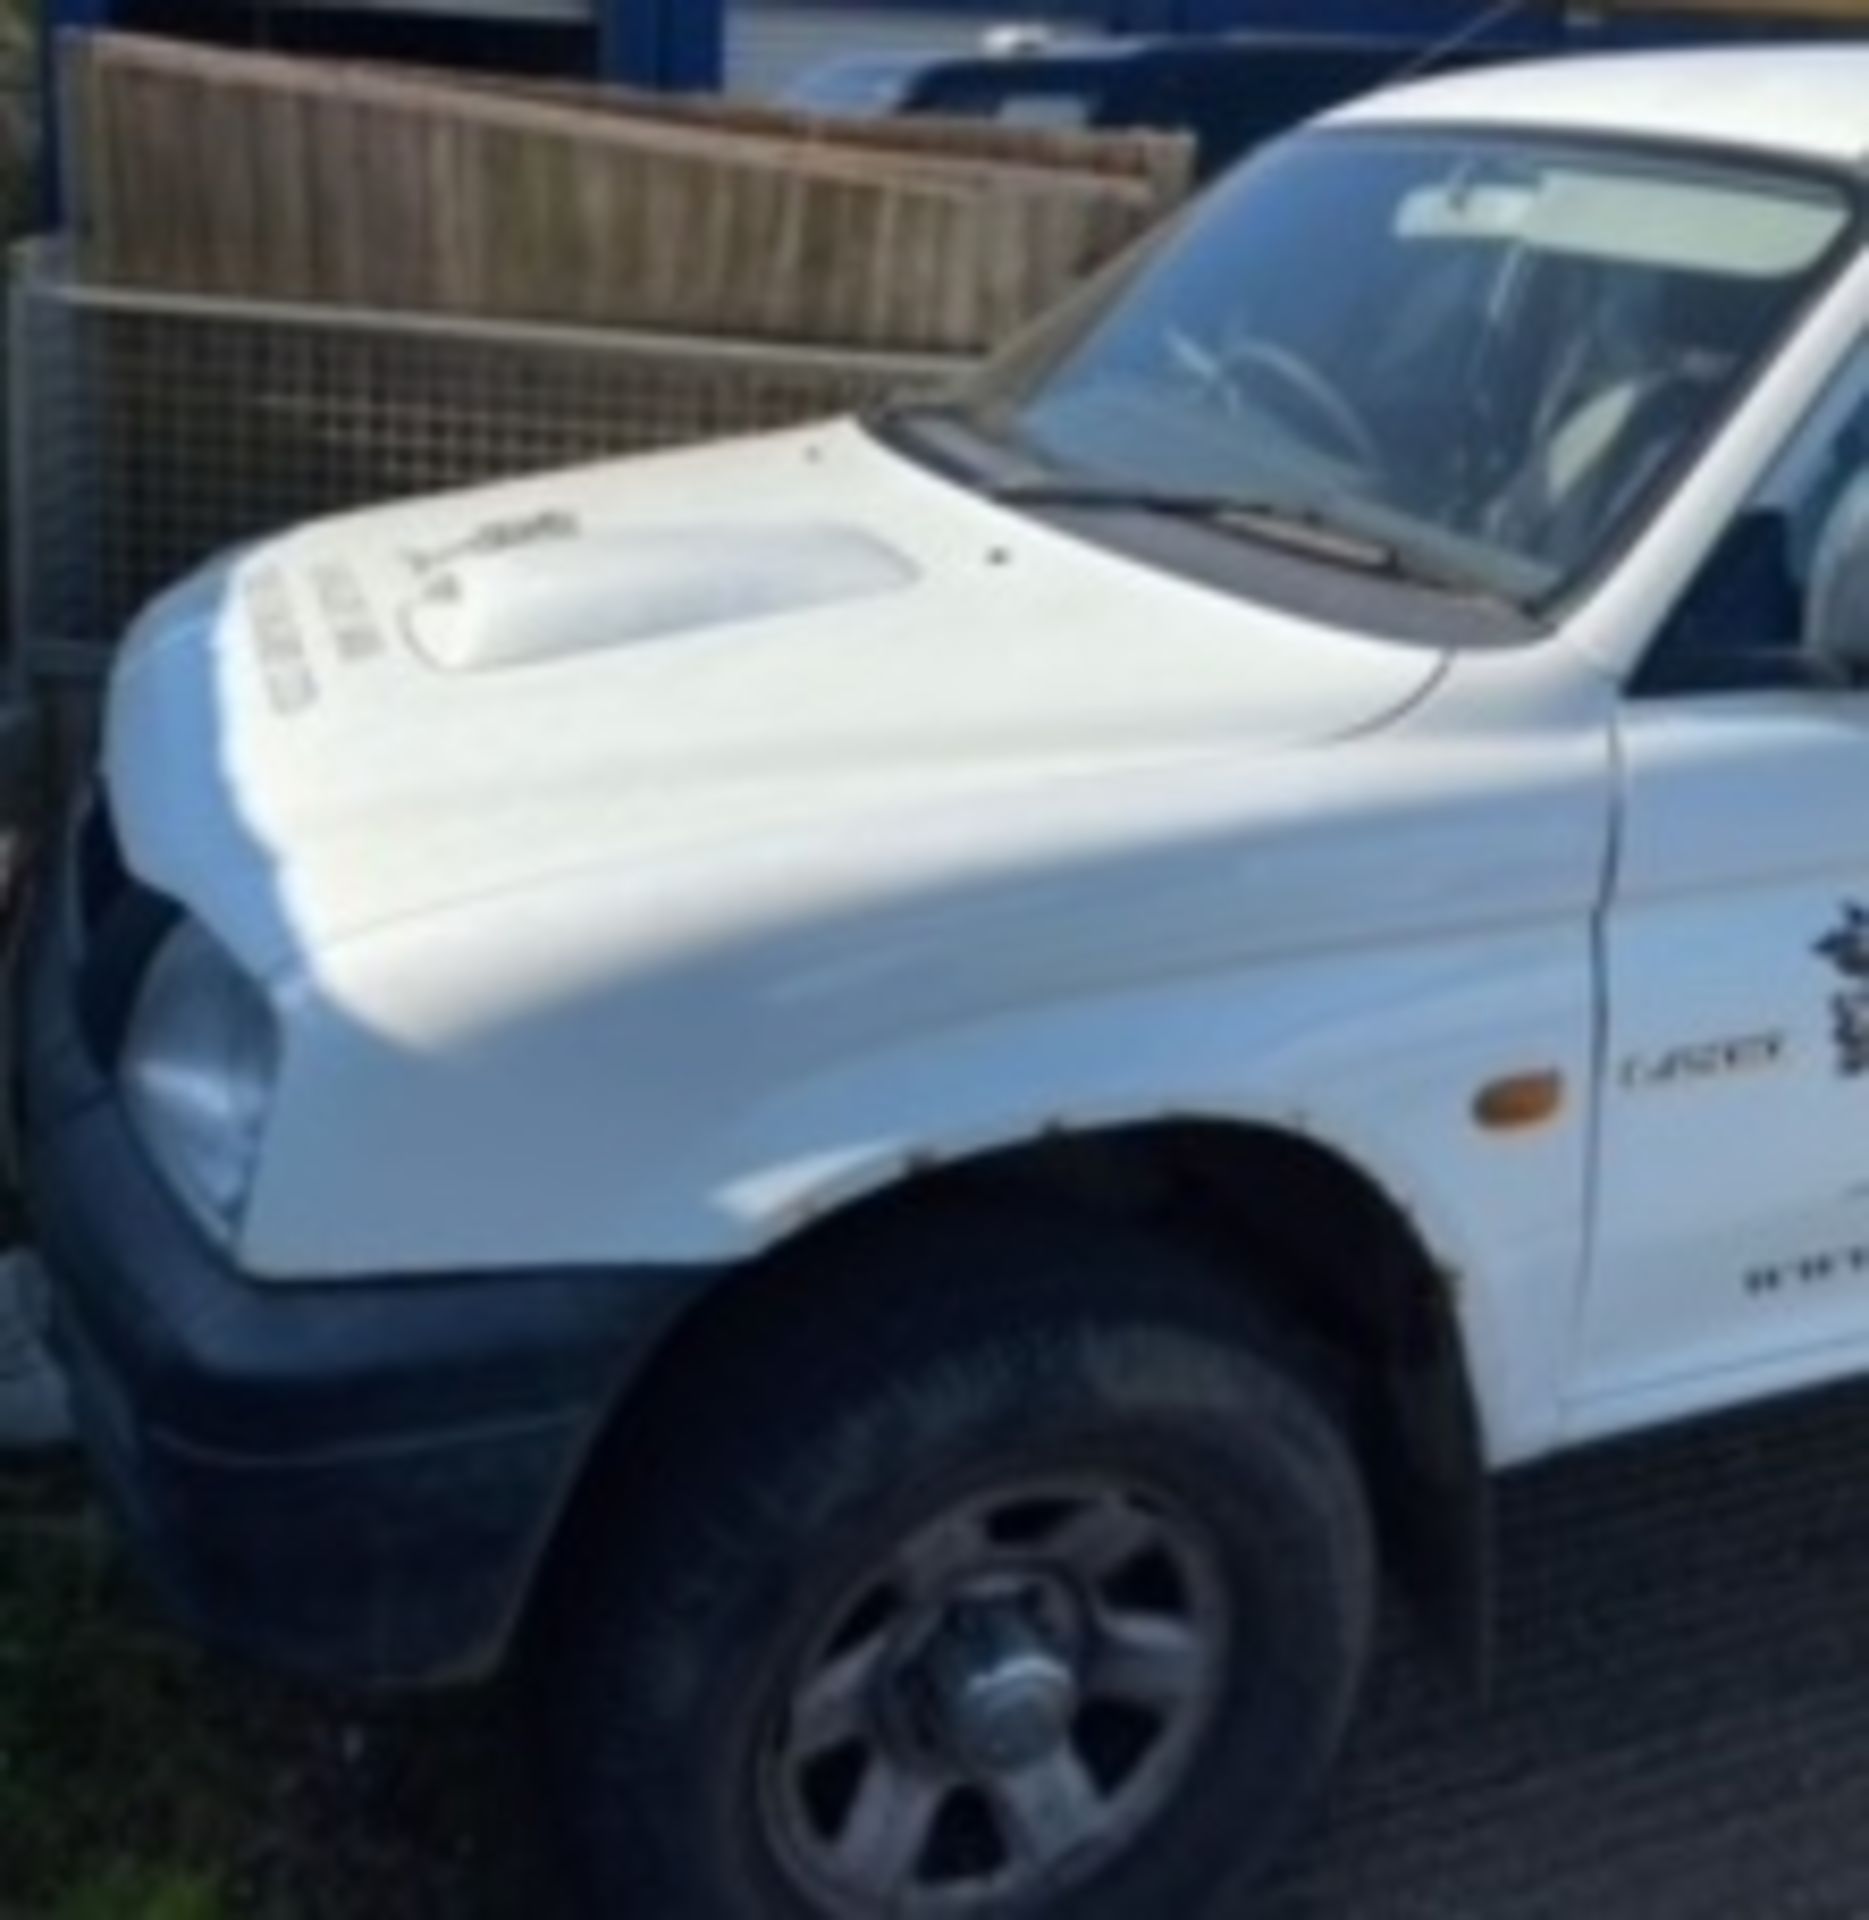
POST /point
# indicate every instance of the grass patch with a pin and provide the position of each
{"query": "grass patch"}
(141, 1893)
(140, 1780)
(116, 1787)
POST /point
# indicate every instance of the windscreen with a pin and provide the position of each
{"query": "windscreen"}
(1486, 353)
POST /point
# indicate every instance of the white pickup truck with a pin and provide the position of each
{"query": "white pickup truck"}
(913, 1095)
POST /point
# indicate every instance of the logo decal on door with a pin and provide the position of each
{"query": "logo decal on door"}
(1703, 1060)
(1846, 947)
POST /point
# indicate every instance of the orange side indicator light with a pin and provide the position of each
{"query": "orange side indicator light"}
(1520, 1100)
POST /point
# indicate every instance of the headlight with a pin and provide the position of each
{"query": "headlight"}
(197, 1070)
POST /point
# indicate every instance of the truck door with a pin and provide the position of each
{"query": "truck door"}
(1733, 1222)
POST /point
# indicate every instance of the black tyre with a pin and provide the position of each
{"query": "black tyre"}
(993, 1565)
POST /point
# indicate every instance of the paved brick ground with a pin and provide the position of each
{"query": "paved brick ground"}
(1681, 1728)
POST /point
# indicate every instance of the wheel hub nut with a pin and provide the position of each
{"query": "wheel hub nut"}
(1003, 1695)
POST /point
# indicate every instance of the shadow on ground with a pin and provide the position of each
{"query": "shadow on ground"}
(142, 1781)
(1681, 1729)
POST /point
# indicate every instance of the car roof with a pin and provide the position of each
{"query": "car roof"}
(1808, 100)
(1116, 49)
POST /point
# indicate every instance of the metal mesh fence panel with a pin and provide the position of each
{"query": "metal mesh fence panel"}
(150, 431)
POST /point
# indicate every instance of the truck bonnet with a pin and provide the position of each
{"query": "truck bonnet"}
(417, 705)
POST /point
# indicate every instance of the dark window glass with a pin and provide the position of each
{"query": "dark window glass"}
(1742, 624)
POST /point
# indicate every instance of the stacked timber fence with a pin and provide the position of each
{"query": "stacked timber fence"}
(294, 287)
(210, 172)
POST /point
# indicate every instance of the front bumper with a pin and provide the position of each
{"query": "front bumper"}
(354, 1481)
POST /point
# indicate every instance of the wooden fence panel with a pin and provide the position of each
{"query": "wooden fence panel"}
(1165, 162)
(203, 171)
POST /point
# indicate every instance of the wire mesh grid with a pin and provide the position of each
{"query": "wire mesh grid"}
(150, 431)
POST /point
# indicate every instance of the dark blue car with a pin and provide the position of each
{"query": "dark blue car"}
(1231, 92)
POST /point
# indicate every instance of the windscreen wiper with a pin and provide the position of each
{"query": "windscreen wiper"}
(951, 411)
(924, 406)
(1282, 523)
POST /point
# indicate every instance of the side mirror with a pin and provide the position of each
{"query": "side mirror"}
(1836, 602)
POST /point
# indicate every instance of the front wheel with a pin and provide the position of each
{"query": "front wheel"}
(1011, 1572)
